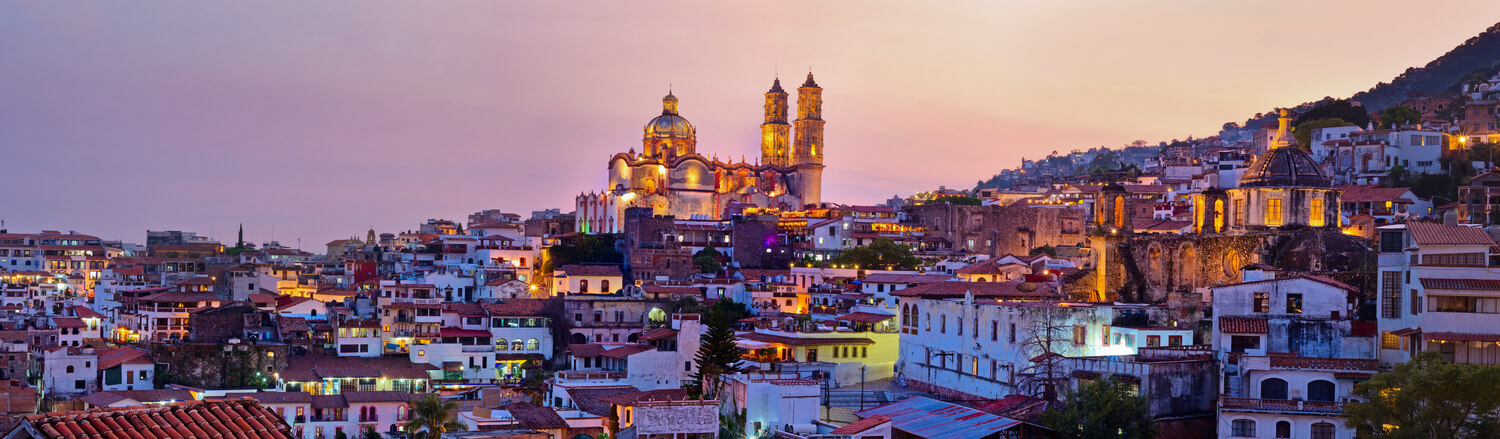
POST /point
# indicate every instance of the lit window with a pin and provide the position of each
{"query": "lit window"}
(1273, 212)
(1316, 220)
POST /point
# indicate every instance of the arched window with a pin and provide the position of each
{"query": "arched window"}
(905, 315)
(577, 339)
(929, 322)
(500, 344)
(583, 285)
(1320, 390)
(1242, 428)
(1273, 388)
(516, 345)
(1283, 429)
(1322, 430)
(533, 345)
(604, 286)
(942, 324)
(981, 279)
(70, 369)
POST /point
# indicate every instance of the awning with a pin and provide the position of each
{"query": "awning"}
(1459, 336)
(1405, 332)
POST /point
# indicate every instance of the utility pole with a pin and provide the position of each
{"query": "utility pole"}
(862, 387)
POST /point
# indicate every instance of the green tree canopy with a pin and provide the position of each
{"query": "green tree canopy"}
(708, 259)
(1428, 398)
(962, 200)
(880, 253)
(1303, 131)
(1335, 108)
(431, 416)
(1399, 115)
(1102, 409)
(718, 354)
(1046, 249)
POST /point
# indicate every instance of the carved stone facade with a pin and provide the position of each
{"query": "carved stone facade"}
(1000, 230)
(672, 178)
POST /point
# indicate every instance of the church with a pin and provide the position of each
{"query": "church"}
(671, 177)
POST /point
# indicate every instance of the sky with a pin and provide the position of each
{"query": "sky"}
(313, 121)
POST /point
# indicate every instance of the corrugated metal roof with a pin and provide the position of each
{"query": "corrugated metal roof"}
(932, 418)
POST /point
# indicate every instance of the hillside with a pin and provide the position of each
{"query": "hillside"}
(1474, 59)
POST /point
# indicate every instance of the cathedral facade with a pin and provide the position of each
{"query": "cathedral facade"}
(672, 178)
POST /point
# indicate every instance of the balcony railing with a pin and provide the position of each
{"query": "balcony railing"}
(1281, 405)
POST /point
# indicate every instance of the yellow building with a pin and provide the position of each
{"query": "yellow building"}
(672, 178)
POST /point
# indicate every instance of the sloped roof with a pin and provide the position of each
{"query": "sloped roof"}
(1461, 284)
(865, 317)
(980, 289)
(893, 278)
(924, 417)
(1372, 193)
(591, 399)
(122, 355)
(591, 270)
(1442, 234)
(1283, 167)
(993, 266)
(658, 395)
(862, 425)
(535, 417)
(1243, 325)
(197, 419)
(105, 398)
(517, 308)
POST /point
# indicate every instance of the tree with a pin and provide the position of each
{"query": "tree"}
(1335, 108)
(370, 433)
(881, 252)
(1046, 249)
(431, 416)
(718, 355)
(1397, 176)
(962, 200)
(708, 259)
(1303, 131)
(1102, 409)
(339, 434)
(1428, 398)
(1399, 115)
(1049, 333)
(534, 383)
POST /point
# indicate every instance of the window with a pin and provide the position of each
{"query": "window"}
(1273, 388)
(1416, 302)
(1273, 212)
(1106, 336)
(1153, 341)
(1315, 214)
(1239, 212)
(1294, 303)
(1011, 334)
(1322, 430)
(533, 345)
(78, 384)
(687, 366)
(1241, 343)
(1320, 390)
(1483, 305)
(994, 330)
(1080, 335)
(959, 322)
(604, 284)
(70, 369)
(1283, 430)
(1457, 259)
(583, 285)
(1389, 340)
(1390, 294)
(1174, 340)
(1242, 428)
(942, 324)
(1390, 241)
(1262, 302)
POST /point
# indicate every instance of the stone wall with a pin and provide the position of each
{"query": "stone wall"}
(999, 230)
(218, 365)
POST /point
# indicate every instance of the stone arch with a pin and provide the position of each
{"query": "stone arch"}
(1232, 264)
(1186, 266)
(1156, 273)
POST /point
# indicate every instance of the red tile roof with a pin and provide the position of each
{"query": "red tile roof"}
(803, 341)
(110, 358)
(626, 351)
(459, 332)
(993, 266)
(1371, 194)
(174, 296)
(862, 425)
(1460, 336)
(206, 419)
(891, 278)
(1244, 325)
(535, 417)
(1461, 284)
(84, 312)
(69, 322)
(658, 333)
(865, 317)
(1442, 234)
(585, 350)
(517, 308)
(659, 395)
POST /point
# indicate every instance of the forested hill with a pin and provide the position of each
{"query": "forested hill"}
(1472, 60)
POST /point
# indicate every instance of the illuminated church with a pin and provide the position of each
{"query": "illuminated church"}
(672, 178)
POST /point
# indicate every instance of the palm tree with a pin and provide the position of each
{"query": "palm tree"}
(432, 416)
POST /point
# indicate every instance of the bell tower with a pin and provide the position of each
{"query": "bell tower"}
(775, 133)
(807, 147)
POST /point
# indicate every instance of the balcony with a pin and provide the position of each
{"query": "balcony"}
(1281, 405)
(485, 348)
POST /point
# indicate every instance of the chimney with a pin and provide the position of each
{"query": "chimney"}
(1450, 218)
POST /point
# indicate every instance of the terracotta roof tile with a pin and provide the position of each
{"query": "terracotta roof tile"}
(1243, 325)
(1461, 284)
(862, 425)
(1442, 234)
(195, 419)
(591, 270)
(980, 289)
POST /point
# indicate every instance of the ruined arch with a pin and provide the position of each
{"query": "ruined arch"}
(1186, 266)
(1156, 270)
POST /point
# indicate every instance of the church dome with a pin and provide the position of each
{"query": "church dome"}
(669, 125)
(1284, 166)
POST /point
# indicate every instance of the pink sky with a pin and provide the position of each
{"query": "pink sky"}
(323, 119)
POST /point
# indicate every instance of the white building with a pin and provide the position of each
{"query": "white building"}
(1291, 354)
(775, 402)
(1439, 289)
